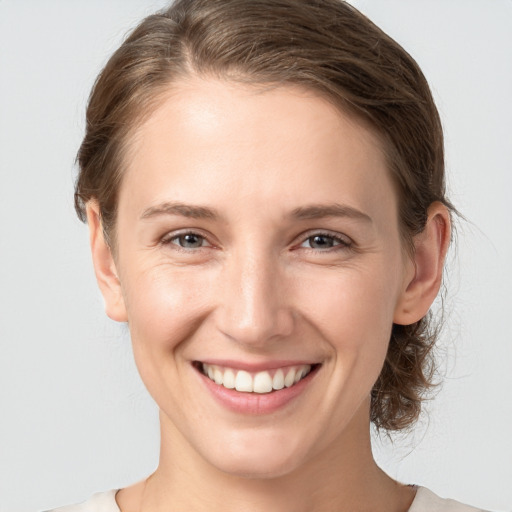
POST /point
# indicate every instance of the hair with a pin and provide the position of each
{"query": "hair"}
(325, 46)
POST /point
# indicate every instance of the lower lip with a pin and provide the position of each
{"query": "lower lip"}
(256, 403)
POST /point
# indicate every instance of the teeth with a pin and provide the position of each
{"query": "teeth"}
(278, 380)
(229, 379)
(261, 382)
(290, 378)
(243, 381)
(217, 376)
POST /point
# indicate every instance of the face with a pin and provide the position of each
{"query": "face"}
(258, 242)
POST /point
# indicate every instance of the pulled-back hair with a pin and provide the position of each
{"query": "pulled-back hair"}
(326, 46)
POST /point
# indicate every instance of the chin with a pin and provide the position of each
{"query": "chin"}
(259, 459)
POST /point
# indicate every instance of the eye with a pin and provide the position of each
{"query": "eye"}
(324, 241)
(187, 241)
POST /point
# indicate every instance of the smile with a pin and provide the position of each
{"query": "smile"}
(259, 382)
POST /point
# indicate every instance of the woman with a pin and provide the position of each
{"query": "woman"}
(264, 187)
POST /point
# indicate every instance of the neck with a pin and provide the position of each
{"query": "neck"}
(343, 477)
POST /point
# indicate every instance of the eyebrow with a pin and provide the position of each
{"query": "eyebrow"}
(320, 211)
(182, 209)
(310, 212)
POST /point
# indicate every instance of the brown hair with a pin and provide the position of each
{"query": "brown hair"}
(323, 45)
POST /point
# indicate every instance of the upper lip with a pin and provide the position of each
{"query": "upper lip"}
(256, 366)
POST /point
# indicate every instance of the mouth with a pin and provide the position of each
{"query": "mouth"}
(256, 389)
(258, 382)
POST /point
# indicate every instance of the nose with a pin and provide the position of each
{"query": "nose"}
(253, 305)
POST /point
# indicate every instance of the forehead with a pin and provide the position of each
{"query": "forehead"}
(213, 136)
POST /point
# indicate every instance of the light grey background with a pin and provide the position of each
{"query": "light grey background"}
(74, 417)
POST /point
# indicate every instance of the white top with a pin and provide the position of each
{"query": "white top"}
(425, 501)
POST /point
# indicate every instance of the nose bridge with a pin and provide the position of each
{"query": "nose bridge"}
(253, 306)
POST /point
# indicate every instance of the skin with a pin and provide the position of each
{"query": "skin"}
(257, 289)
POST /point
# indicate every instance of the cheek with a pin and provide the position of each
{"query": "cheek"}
(165, 306)
(352, 307)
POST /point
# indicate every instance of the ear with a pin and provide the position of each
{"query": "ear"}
(426, 267)
(104, 266)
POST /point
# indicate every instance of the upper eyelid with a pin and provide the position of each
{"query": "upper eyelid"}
(345, 239)
(171, 235)
(184, 231)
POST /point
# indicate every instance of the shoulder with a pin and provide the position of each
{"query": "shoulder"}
(427, 501)
(99, 502)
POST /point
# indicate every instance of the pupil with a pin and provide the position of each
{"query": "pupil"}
(190, 241)
(321, 242)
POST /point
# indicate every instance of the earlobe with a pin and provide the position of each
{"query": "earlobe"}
(104, 266)
(423, 282)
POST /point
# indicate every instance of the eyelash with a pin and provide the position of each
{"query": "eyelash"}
(339, 243)
(169, 240)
